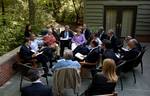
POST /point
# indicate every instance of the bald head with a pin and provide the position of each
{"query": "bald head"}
(132, 43)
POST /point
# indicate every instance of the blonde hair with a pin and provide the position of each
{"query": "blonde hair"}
(109, 70)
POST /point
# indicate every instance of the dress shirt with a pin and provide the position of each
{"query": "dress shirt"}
(37, 81)
(66, 35)
(62, 64)
(78, 39)
(101, 35)
(35, 45)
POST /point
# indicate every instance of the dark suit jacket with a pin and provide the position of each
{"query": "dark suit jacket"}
(56, 35)
(87, 34)
(100, 85)
(25, 52)
(109, 53)
(114, 42)
(131, 54)
(102, 35)
(62, 34)
(36, 89)
(93, 56)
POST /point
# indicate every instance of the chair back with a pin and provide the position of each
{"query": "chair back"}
(125, 66)
(66, 78)
(139, 57)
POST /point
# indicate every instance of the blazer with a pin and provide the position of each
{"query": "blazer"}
(109, 53)
(131, 54)
(93, 56)
(62, 34)
(36, 89)
(56, 35)
(25, 52)
(114, 42)
(100, 86)
(87, 34)
(102, 35)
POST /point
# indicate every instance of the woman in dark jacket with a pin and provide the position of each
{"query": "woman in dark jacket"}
(27, 32)
(104, 82)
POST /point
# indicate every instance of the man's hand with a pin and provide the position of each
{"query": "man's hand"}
(34, 55)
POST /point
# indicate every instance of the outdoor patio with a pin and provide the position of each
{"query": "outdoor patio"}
(141, 88)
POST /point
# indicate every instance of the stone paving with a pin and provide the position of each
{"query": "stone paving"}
(141, 88)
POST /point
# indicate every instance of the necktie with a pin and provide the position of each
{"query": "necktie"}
(65, 34)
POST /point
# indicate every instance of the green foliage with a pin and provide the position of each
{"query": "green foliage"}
(17, 15)
(10, 38)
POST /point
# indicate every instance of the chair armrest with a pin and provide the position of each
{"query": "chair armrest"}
(87, 63)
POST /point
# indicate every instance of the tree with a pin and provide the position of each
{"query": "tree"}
(32, 11)
(3, 12)
(78, 9)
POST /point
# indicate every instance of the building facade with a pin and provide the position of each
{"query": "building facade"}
(126, 17)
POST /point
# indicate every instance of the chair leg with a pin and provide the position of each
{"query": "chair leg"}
(121, 83)
(21, 82)
(134, 76)
(142, 67)
(46, 80)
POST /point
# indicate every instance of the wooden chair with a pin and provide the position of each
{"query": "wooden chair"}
(19, 60)
(67, 78)
(113, 94)
(85, 69)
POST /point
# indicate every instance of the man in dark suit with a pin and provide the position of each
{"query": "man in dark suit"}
(133, 50)
(86, 32)
(113, 39)
(108, 52)
(37, 88)
(54, 32)
(65, 39)
(94, 53)
(101, 33)
(26, 54)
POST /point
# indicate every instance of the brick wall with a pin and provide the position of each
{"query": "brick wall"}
(6, 63)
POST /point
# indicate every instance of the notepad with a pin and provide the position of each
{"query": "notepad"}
(80, 56)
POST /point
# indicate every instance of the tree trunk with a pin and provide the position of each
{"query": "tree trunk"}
(32, 12)
(3, 13)
(56, 7)
(77, 11)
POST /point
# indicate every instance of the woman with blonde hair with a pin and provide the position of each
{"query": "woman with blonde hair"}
(104, 82)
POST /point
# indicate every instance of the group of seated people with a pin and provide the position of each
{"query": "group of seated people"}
(82, 47)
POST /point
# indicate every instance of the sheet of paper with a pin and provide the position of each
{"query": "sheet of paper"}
(79, 56)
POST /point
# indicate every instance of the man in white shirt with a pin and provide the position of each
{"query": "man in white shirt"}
(45, 50)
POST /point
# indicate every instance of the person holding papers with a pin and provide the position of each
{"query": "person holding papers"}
(92, 56)
(65, 39)
(35, 44)
(78, 39)
(26, 54)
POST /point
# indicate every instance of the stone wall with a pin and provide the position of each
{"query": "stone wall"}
(6, 63)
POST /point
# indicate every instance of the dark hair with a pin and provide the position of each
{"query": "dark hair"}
(94, 43)
(96, 35)
(26, 40)
(107, 44)
(33, 74)
(27, 28)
